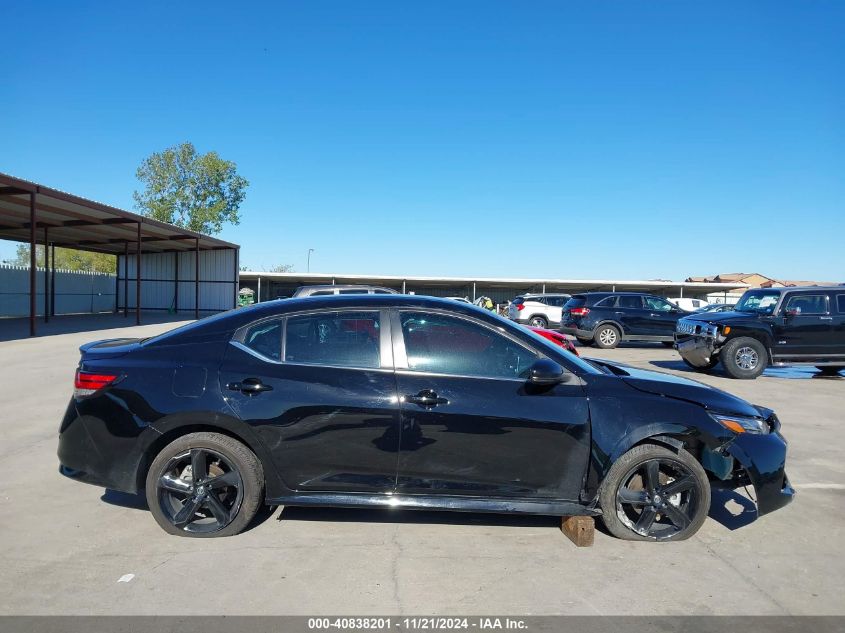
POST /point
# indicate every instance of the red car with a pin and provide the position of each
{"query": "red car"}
(555, 337)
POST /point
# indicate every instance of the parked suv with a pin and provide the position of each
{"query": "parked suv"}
(341, 289)
(537, 310)
(607, 318)
(777, 326)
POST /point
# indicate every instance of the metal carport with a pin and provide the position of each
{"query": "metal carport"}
(36, 214)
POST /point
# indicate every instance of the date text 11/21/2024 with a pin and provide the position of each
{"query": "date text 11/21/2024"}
(421, 623)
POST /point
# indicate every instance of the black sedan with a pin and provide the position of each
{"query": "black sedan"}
(410, 402)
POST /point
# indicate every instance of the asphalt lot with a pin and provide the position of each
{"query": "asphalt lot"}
(66, 546)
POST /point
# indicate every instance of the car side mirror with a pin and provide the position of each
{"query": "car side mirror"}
(547, 372)
(791, 312)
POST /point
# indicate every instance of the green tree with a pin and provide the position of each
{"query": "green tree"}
(69, 259)
(199, 192)
(281, 268)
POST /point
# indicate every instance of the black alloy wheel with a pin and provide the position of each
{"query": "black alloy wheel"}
(654, 494)
(204, 484)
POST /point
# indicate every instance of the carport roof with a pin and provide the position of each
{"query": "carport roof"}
(75, 222)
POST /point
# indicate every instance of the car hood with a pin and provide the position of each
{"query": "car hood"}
(709, 317)
(681, 388)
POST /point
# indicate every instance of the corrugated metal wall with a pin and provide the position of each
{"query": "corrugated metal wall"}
(76, 292)
(218, 280)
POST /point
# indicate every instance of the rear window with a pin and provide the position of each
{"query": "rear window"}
(607, 302)
(575, 302)
(630, 301)
(518, 300)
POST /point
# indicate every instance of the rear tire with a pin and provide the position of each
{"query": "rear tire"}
(538, 321)
(634, 506)
(204, 485)
(586, 342)
(744, 358)
(830, 370)
(607, 336)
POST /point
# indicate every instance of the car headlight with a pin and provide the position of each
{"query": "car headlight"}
(742, 424)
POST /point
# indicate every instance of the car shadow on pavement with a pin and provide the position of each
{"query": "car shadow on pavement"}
(793, 373)
(427, 517)
(731, 509)
(125, 500)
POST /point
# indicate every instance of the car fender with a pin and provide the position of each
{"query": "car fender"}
(762, 334)
(615, 324)
(175, 425)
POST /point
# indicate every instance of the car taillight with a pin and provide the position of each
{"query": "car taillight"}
(86, 383)
(520, 306)
(579, 312)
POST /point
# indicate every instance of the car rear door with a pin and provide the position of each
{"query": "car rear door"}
(838, 333)
(318, 388)
(470, 426)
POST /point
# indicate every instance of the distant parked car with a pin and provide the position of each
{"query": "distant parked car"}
(461, 299)
(538, 310)
(555, 337)
(717, 307)
(342, 289)
(690, 305)
(783, 326)
(607, 318)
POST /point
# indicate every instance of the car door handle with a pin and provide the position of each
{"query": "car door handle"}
(249, 386)
(426, 398)
(826, 318)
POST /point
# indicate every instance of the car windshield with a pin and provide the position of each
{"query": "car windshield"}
(759, 301)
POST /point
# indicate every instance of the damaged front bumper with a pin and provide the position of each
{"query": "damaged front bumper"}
(762, 463)
(696, 349)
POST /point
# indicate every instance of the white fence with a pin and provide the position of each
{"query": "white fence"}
(75, 292)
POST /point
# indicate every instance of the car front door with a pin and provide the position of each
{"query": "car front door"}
(803, 326)
(318, 388)
(471, 425)
(662, 316)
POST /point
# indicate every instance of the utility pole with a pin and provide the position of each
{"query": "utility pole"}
(308, 264)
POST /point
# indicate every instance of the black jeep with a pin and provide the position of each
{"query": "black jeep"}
(774, 326)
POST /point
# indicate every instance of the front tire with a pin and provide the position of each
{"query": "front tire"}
(205, 485)
(607, 336)
(744, 358)
(538, 321)
(652, 493)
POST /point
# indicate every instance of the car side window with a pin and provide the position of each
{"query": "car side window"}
(354, 291)
(341, 339)
(628, 301)
(447, 345)
(657, 304)
(265, 338)
(322, 293)
(809, 304)
(607, 302)
(840, 303)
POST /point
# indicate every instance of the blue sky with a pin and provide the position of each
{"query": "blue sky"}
(544, 139)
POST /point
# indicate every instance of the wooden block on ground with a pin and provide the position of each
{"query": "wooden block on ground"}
(579, 529)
